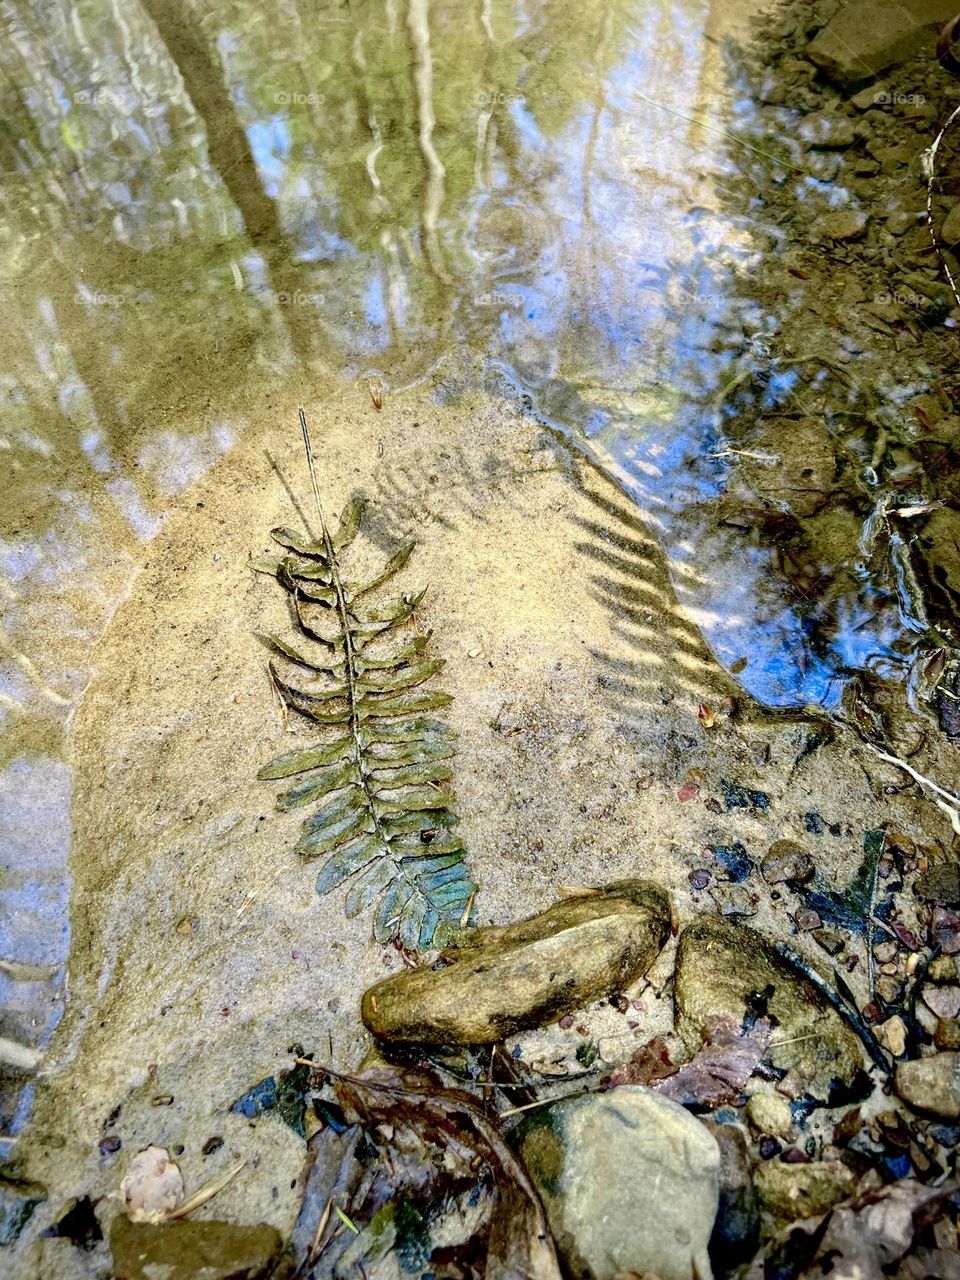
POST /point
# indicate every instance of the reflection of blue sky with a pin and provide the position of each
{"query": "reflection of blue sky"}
(34, 906)
(270, 145)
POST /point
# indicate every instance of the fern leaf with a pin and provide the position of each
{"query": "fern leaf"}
(411, 774)
(292, 762)
(298, 543)
(406, 678)
(381, 816)
(394, 565)
(398, 659)
(288, 651)
(320, 783)
(349, 526)
(385, 755)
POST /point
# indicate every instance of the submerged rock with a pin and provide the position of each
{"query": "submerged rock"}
(630, 1182)
(792, 1191)
(868, 36)
(841, 224)
(191, 1250)
(737, 1227)
(729, 968)
(787, 863)
(931, 1084)
(503, 980)
(769, 1113)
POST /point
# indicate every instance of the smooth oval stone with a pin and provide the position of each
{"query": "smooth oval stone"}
(723, 967)
(501, 980)
(630, 1182)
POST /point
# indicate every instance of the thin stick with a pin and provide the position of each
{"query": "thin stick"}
(543, 1102)
(945, 800)
(321, 1227)
(310, 465)
(205, 1193)
(724, 133)
(928, 160)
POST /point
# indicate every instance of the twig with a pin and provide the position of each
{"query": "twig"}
(944, 800)
(544, 1102)
(724, 133)
(928, 160)
(205, 1193)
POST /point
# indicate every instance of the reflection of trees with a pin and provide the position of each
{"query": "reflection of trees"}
(196, 199)
(221, 159)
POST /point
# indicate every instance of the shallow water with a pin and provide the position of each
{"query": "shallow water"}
(212, 211)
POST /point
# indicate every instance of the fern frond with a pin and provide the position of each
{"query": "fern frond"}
(382, 816)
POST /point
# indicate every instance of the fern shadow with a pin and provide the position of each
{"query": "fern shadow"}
(655, 653)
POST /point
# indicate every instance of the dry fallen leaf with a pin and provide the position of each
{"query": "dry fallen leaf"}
(152, 1186)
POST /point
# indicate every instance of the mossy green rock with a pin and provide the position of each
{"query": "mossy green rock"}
(630, 1182)
(191, 1250)
(722, 967)
(503, 980)
(792, 1191)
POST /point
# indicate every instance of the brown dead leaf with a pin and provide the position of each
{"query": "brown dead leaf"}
(648, 1066)
(719, 1071)
(420, 1165)
(864, 1236)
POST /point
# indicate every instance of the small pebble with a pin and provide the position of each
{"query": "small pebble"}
(947, 1034)
(931, 1084)
(831, 941)
(943, 969)
(769, 1147)
(769, 1113)
(807, 919)
(885, 951)
(787, 862)
(945, 930)
(793, 1155)
(944, 1002)
(109, 1145)
(211, 1145)
(892, 1034)
(889, 990)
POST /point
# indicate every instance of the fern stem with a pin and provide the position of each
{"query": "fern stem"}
(348, 655)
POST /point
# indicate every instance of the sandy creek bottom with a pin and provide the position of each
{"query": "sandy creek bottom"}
(201, 950)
